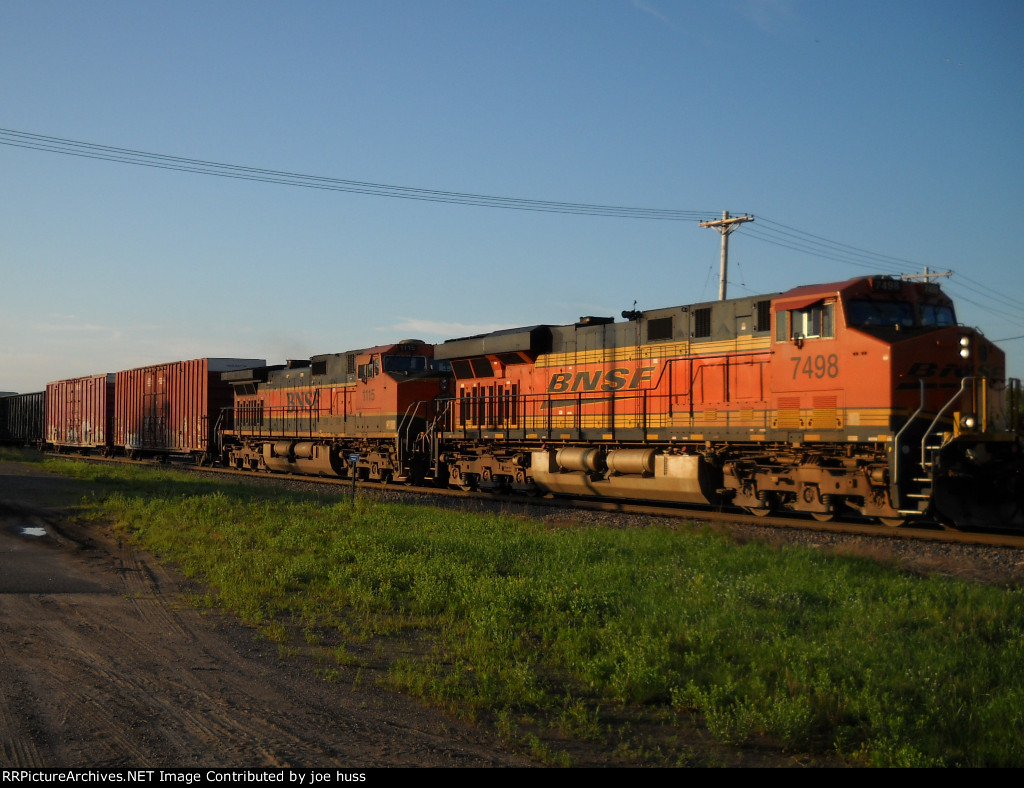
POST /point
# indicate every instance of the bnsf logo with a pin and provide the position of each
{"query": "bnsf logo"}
(303, 399)
(599, 380)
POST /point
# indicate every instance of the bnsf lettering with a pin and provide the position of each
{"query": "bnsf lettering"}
(615, 380)
(303, 399)
(599, 380)
(560, 382)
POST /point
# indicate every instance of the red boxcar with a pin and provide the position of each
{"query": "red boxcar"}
(173, 408)
(79, 413)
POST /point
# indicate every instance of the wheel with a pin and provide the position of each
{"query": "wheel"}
(823, 517)
(759, 512)
(892, 522)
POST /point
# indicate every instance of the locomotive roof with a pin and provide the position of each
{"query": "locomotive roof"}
(828, 287)
(375, 349)
(501, 332)
(806, 295)
(536, 339)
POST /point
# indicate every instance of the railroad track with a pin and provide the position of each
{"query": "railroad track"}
(935, 533)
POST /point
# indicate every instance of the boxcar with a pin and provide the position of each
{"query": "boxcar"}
(79, 413)
(21, 418)
(173, 408)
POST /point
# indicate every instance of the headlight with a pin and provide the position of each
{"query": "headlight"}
(967, 422)
(965, 347)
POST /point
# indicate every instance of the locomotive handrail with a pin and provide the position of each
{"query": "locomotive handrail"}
(443, 412)
(1014, 403)
(939, 415)
(894, 483)
(401, 435)
(218, 429)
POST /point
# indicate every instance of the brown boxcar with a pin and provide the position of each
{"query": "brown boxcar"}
(173, 408)
(79, 413)
(21, 418)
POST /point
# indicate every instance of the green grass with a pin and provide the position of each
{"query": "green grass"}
(550, 631)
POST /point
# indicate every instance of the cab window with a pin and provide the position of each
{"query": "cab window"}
(816, 321)
(370, 370)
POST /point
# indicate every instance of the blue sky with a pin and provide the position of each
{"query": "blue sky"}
(891, 127)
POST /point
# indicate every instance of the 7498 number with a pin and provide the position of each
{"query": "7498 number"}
(815, 366)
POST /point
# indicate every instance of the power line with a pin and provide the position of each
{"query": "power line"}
(766, 230)
(839, 247)
(89, 150)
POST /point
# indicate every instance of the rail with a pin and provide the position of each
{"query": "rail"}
(267, 421)
(611, 411)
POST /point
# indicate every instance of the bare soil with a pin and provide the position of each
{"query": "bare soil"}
(101, 665)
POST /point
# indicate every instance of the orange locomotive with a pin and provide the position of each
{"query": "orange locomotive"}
(862, 395)
(364, 409)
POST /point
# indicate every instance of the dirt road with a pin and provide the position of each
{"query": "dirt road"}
(100, 665)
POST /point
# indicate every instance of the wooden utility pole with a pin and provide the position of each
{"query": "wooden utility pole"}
(725, 225)
(927, 276)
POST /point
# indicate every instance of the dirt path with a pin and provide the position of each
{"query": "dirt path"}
(100, 666)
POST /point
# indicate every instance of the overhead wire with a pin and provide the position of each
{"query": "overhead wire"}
(764, 230)
(835, 247)
(88, 150)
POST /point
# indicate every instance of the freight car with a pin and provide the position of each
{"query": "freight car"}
(864, 395)
(79, 414)
(174, 408)
(21, 419)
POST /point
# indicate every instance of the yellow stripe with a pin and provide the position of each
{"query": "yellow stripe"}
(744, 344)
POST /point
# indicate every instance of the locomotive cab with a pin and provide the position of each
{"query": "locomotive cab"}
(912, 381)
(850, 358)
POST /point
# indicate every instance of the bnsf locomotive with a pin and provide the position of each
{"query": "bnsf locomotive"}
(373, 410)
(864, 395)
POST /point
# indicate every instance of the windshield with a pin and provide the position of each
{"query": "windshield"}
(880, 313)
(405, 363)
(937, 315)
